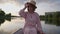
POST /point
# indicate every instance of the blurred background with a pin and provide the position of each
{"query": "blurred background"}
(10, 20)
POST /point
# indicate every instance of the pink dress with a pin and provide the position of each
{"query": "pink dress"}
(32, 22)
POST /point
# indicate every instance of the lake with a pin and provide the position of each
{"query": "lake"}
(9, 27)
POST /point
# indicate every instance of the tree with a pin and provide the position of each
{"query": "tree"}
(2, 14)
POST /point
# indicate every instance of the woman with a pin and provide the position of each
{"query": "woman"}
(31, 18)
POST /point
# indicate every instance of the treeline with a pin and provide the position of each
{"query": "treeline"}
(51, 18)
(4, 16)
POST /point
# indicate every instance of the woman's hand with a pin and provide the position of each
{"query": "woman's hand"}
(42, 33)
(26, 5)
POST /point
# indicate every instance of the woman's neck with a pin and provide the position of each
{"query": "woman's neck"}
(31, 12)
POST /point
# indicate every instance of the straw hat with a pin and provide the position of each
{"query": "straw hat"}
(32, 3)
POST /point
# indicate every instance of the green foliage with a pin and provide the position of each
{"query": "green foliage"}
(8, 17)
(4, 16)
(52, 18)
(42, 17)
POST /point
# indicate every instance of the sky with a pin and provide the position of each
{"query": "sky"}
(14, 6)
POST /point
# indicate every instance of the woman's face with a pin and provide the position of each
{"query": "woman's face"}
(31, 8)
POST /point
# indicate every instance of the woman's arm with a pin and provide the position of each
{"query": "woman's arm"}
(22, 12)
(39, 27)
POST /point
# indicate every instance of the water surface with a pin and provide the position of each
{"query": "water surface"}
(9, 27)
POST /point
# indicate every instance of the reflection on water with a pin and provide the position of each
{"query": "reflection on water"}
(15, 24)
(50, 28)
(57, 23)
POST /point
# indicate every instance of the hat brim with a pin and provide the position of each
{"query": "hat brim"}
(32, 4)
